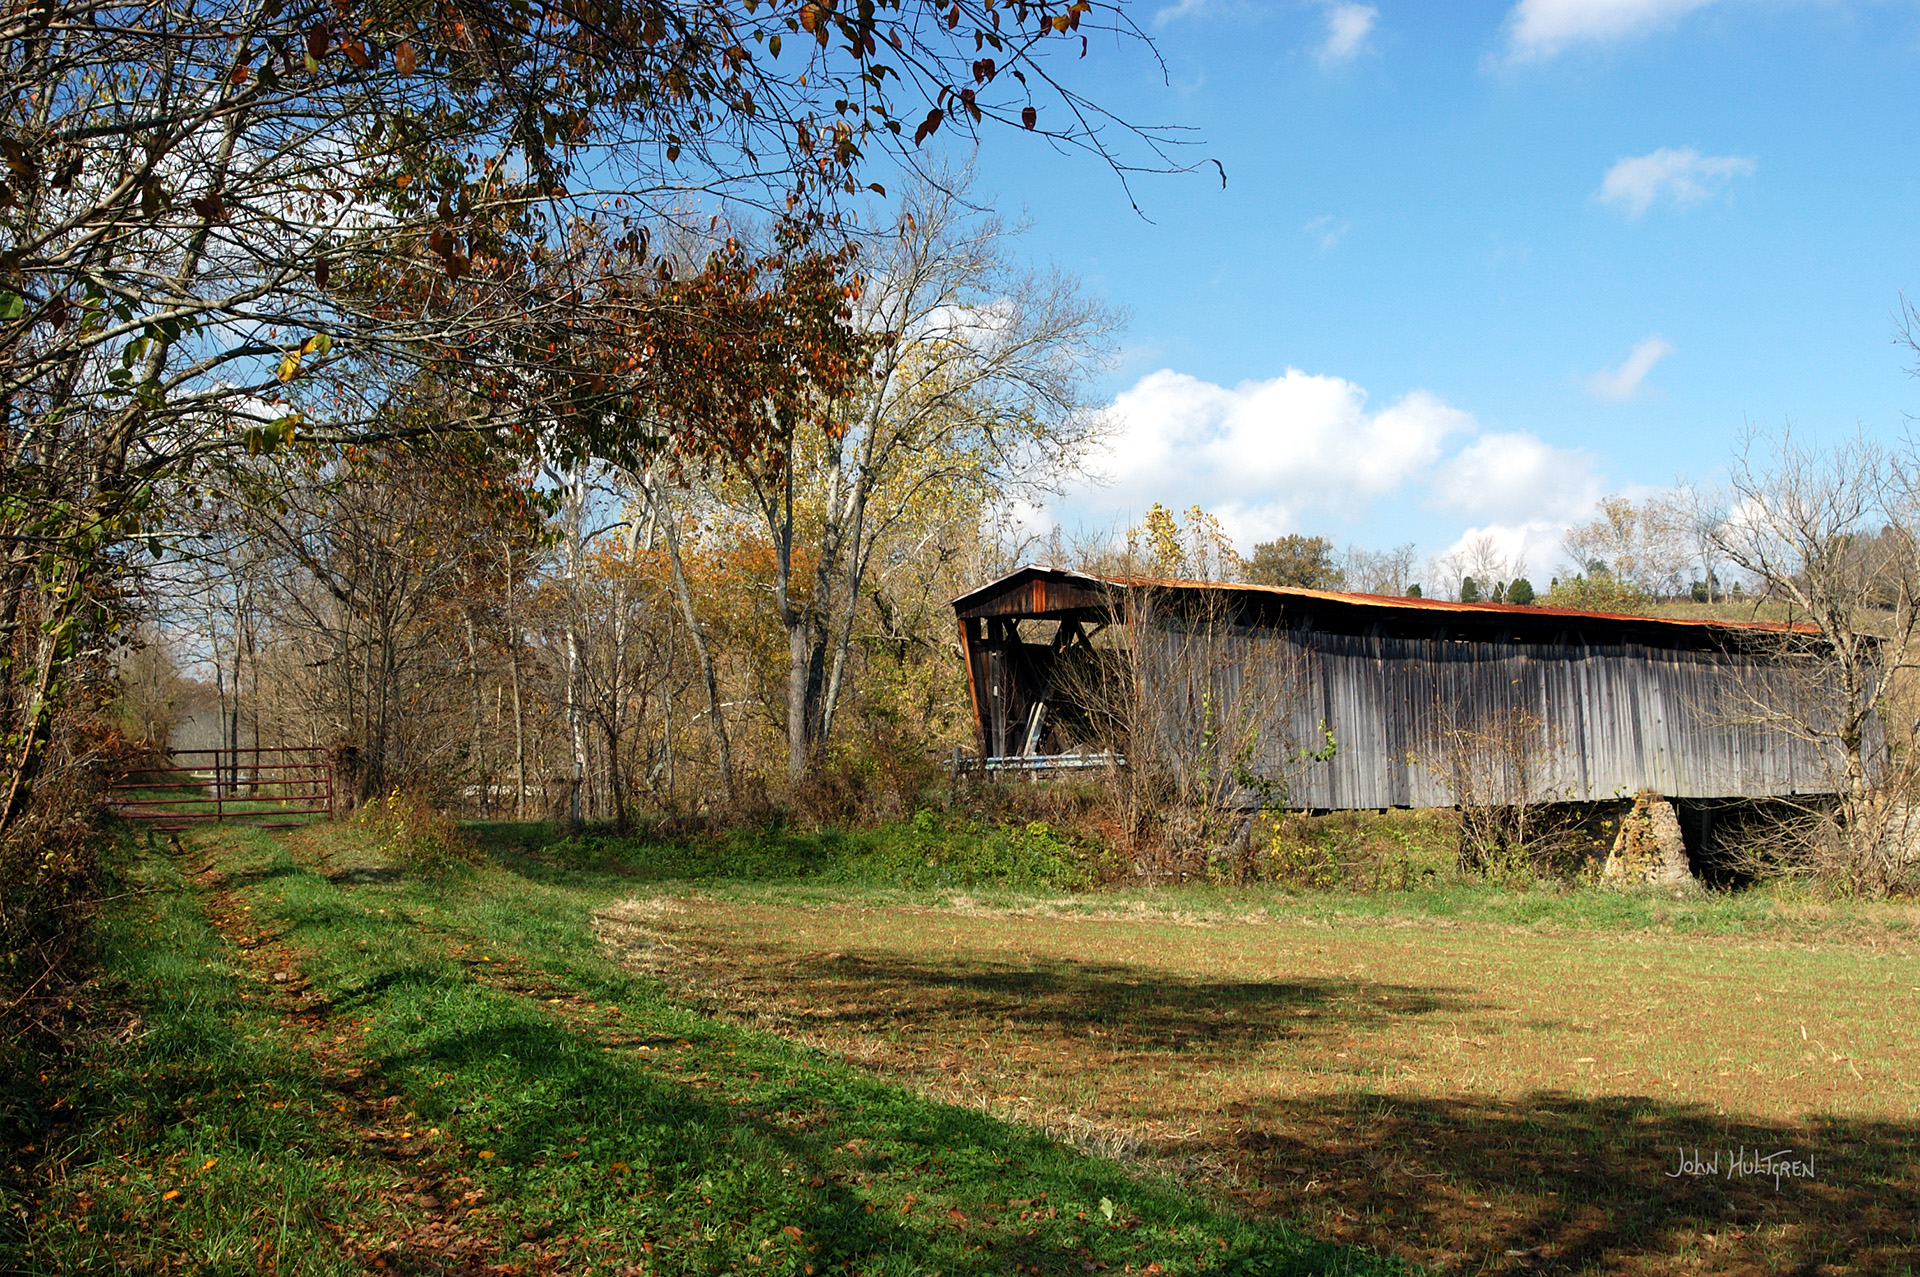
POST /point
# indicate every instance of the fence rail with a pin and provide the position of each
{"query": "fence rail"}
(1037, 763)
(268, 786)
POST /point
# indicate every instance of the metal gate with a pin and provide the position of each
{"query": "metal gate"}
(271, 787)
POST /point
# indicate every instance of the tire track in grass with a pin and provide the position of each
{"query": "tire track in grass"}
(429, 1216)
(631, 1133)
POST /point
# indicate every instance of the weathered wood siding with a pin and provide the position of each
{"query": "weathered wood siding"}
(1610, 720)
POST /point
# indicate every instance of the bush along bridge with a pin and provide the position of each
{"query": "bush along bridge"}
(272, 787)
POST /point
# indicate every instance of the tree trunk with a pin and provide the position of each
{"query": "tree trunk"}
(519, 716)
(709, 680)
(479, 710)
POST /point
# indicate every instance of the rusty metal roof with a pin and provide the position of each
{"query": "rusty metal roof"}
(1381, 601)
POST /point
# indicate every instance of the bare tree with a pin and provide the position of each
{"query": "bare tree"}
(369, 563)
(1478, 571)
(152, 694)
(1494, 762)
(1388, 572)
(213, 211)
(1649, 546)
(976, 392)
(1832, 534)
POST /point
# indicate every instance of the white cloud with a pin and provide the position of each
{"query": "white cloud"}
(1621, 383)
(1519, 479)
(1528, 549)
(1305, 453)
(1263, 455)
(1348, 26)
(1539, 29)
(1329, 230)
(1684, 176)
(1175, 12)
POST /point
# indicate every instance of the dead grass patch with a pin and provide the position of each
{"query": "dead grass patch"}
(1472, 1096)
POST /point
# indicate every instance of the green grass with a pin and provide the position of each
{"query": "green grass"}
(185, 1130)
(473, 1073)
(200, 805)
(935, 859)
(931, 852)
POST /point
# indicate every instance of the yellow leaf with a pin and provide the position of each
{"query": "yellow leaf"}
(170, 1194)
(486, 1153)
(288, 367)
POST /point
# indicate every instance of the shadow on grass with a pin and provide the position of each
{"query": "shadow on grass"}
(263, 874)
(1587, 1182)
(806, 1153)
(1548, 1182)
(363, 876)
(1120, 1007)
(369, 992)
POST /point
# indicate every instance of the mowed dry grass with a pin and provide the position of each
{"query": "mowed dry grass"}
(1473, 1097)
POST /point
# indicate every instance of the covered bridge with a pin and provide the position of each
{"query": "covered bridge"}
(1423, 699)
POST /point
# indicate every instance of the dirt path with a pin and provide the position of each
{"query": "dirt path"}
(428, 1216)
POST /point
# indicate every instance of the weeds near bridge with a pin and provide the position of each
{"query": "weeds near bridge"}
(1202, 710)
(1495, 766)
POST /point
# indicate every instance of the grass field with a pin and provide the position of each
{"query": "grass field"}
(866, 1053)
(309, 1059)
(1472, 1095)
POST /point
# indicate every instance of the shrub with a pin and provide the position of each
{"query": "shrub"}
(414, 832)
(879, 774)
(1354, 851)
(50, 886)
(1600, 592)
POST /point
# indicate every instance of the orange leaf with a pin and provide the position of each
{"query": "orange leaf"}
(403, 58)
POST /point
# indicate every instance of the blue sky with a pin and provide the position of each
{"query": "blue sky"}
(1477, 265)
